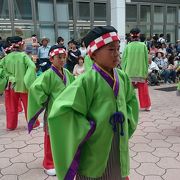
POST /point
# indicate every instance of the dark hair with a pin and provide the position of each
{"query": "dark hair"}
(81, 57)
(59, 39)
(34, 35)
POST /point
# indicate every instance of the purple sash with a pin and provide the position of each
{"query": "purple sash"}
(63, 77)
(75, 163)
(117, 117)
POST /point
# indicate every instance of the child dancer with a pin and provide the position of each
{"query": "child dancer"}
(43, 93)
(92, 120)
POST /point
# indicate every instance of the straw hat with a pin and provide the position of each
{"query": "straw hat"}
(45, 38)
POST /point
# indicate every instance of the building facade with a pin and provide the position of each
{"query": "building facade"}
(52, 18)
(154, 17)
(72, 19)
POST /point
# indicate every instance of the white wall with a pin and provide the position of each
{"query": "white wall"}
(118, 15)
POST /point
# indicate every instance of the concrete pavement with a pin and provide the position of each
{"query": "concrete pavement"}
(154, 148)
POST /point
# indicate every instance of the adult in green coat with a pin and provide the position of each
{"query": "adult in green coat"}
(135, 64)
(19, 71)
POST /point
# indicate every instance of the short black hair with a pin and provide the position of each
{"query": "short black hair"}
(59, 39)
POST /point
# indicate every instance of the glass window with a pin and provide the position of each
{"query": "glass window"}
(100, 11)
(129, 27)
(158, 14)
(158, 29)
(44, 9)
(145, 15)
(145, 30)
(65, 32)
(83, 11)
(170, 33)
(4, 10)
(22, 9)
(64, 10)
(131, 13)
(178, 32)
(5, 30)
(179, 15)
(82, 31)
(171, 14)
(47, 30)
(24, 30)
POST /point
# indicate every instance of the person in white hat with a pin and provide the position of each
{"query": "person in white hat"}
(43, 57)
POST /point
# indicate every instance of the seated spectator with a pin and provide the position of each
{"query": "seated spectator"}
(177, 65)
(60, 41)
(73, 55)
(153, 50)
(177, 46)
(83, 49)
(172, 69)
(79, 68)
(163, 66)
(170, 49)
(153, 72)
(163, 48)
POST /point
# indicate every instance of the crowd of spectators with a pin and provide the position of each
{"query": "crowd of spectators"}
(164, 58)
(164, 61)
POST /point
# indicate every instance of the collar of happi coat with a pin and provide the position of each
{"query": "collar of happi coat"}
(62, 76)
(112, 81)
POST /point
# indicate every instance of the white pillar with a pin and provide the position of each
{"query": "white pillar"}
(118, 15)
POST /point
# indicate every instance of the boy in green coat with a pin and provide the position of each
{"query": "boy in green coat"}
(42, 94)
(92, 120)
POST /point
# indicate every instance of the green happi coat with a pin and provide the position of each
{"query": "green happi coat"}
(91, 98)
(135, 60)
(19, 70)
(44, 91)
(88, 63)
(3, 77)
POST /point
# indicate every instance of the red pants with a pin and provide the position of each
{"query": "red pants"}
(48, 160)
(12, 100)
(144, 98)
(20, 109)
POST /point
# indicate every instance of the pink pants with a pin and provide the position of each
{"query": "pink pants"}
(144, 98)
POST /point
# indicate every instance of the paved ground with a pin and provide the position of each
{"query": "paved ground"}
(155, 147)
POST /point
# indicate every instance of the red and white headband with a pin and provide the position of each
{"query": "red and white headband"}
(56, 52)
(14, 45)
(102, 41)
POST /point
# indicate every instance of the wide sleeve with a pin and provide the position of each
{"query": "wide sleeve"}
(146, 59)
(30, 74)
(88, 62)
(69, 126)
(132, 107)
(3, 77)
(37, 99)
